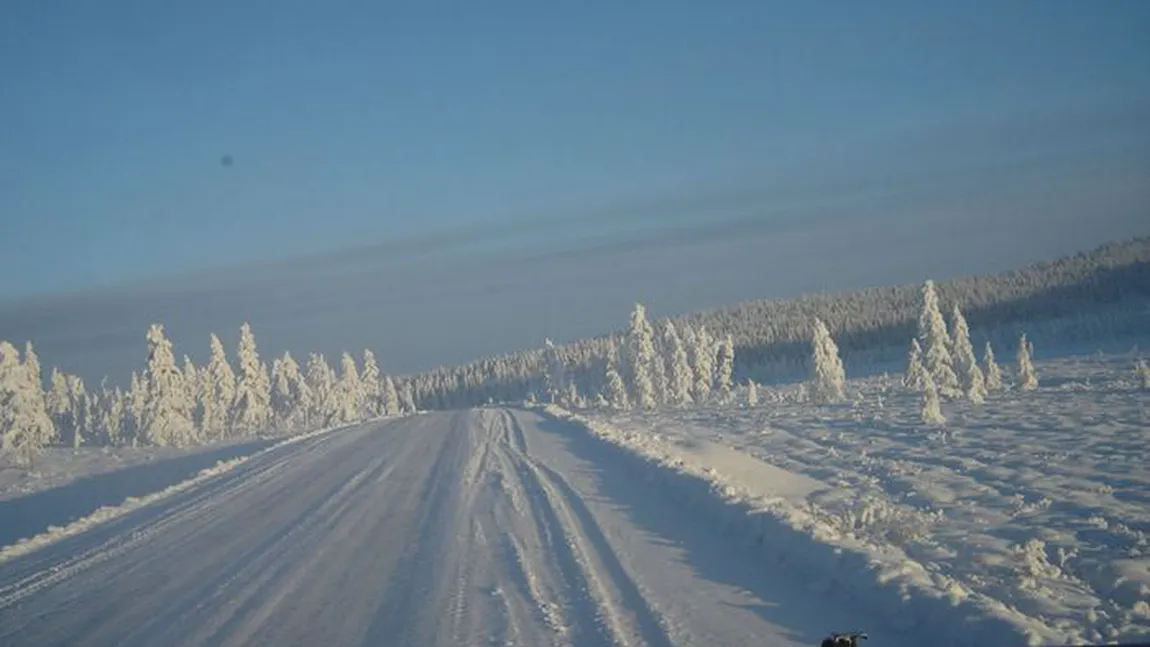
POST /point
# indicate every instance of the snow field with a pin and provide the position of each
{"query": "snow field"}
(1024, 519)
(887, 586)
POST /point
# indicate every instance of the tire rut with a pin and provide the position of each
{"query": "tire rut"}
(620, 611)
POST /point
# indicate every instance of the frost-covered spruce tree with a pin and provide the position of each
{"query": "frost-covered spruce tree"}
(112, 419)
(931, 409)
(217, 393)
(32, 365)
(993, 372)
(59, 406)
(679, 386)
(554, 373)
(251, 412)
(290, 394)
(829, 379)
(350, 396)
(659, 379)
(914, 379)
(25, 427)
(371, 385)
(167, 412)
(137, 400)
(703, 355)
(192, 378)
(35, 374)
(935, 341)
(725, 369)
(970, 375)
(1027, 375)
(1142, 374)
(391, 404)
(321, 381)
(640, 354)
(407, 402)
(615, 392)
(80, 411)
(752, 394)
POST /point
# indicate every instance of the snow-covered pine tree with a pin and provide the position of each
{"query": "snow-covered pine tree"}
(113, 413)
(321, 381)
(407, 402)
(1027, 375)
(350, 395)
(615, 390)
(59, 406)
(25, 426)
(192, 377)
(32, 365)
(659, 379)
(679, 391)
(251, 411)
(640, 355)
(137, 400)
(217, 393)
(371, 385)
(554, 373)
(725, 369)
(702, 355)
(167, 411)
(829, 379)
(992, 371)
(970, 375)
(80, 411)
(931, 412)
(1142, 374)
(290, 395)
(752, 394)
(914, 379)
(391, 405)
(935, 341)
(281, 395)
(573, 398)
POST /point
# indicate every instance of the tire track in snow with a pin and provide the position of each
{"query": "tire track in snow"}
(621, 612)
(420, 570)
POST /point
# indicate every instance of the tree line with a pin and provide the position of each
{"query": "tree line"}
(169, 404)
(682, 361)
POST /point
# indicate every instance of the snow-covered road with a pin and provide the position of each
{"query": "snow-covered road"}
(484, 527)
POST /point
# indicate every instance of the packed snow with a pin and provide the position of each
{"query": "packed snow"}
(482, 527)
(1032, 508)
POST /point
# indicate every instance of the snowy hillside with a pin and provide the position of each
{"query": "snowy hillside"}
(1033, 507)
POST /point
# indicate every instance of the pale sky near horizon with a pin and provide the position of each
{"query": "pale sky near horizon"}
(441, 181)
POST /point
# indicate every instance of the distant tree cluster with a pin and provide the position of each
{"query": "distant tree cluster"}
(646, 370)
(949, 368)
(173, 404)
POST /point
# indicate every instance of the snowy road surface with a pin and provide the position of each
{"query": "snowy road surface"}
(485, 527)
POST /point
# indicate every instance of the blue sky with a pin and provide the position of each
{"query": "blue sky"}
(531, 168)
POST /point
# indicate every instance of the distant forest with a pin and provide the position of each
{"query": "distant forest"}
(1097, 295)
